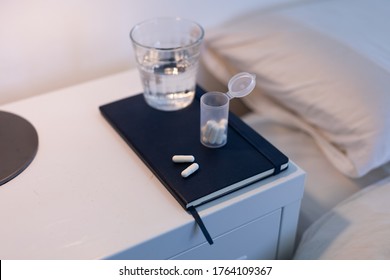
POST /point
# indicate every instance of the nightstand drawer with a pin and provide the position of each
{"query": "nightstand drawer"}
(257, 239)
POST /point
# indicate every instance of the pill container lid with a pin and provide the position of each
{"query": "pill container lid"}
(241, 85)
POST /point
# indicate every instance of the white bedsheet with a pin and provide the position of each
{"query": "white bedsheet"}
(325, 186)
(358, 228)
(349, 22)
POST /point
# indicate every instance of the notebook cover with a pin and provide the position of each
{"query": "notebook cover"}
(158, 135)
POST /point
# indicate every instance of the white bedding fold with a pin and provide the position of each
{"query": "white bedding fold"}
(358, 228)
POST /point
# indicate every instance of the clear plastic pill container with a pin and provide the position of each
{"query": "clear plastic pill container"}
(214, 109)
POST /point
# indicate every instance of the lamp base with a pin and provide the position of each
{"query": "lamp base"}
(18, 145)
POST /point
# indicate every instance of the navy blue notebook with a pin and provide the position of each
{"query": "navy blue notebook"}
(158, 135)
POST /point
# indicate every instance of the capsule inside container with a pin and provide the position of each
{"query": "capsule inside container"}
(214, 112)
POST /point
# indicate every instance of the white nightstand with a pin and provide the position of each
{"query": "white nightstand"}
(87, 195)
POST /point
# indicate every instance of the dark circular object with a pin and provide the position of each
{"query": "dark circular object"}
(18, 145)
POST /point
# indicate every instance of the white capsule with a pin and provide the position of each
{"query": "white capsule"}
(183, 158)
(223, 122)
(210, 132)
(189, 170)
(221, 134)
(208, 128)
(221, 137)
(214, 133)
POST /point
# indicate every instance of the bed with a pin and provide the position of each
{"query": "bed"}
(322, 97)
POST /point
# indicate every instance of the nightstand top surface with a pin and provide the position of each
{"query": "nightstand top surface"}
(87, 195)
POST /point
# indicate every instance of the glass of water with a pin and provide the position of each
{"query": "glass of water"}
(167, 52)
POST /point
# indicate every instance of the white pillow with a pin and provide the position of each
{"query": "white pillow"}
(316, 82)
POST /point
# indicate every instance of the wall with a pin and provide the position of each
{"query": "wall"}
(49, 44)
